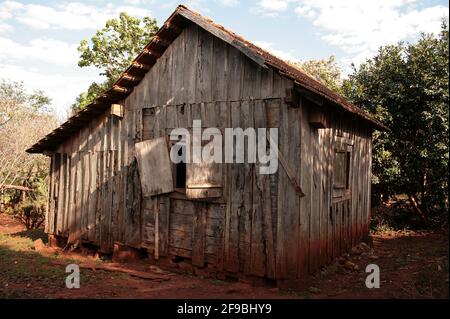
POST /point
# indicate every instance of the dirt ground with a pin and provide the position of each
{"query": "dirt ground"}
(412, 265)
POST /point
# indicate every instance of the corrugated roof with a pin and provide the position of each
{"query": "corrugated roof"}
(150, 54)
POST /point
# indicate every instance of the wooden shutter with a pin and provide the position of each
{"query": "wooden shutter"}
(203, 180)
(155, 169)
(343, 150)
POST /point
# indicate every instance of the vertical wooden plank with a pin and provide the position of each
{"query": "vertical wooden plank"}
(220, 71)
(133, 200)
(93, 189)
(72, 217)
(51, 209)
(366, 186)
(341, 227)
(177, 70)
(288, 199)
(305, 203)
(67, 192)
(355, 176)
(72, 188)
(228, 245)
(164, 78)
(369, 182)
(171, 117)
(61, 193)
(273, 121)
(262, 227)
(79, 193)
(328, 208)
(266, 83)
(123, 172)
(57, 193)
(235, 204)
(199, 234)
(315, 204)
(236, 67)
(84, 146)
(163, 226)
(153, 94)
(360, 187)
(115, 188)
(76, 227)
(101, 182)
(106, 193)
(251, 80)
(325, 195)
(204, 66)
(245, 220)
(125, 168)
(189, 74)
(85, 196)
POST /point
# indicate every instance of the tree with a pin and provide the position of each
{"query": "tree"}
(406, 87)
(13, 98)
(326, 71)
(25, 119)
(112, 49)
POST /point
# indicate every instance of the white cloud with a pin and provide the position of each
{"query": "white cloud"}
(61, 88)
(271, 48)
(46, 64)
(359, 28)
(4, 27)
(69, 16)
(274, 5)
(229, 3)
(7, 8)
(133, 2)
(38, 49)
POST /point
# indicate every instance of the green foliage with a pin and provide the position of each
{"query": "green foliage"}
(14, 100)
(31, 213)
(111, 50)
(86, 98)
(406, 87)
(326, 71)
(25, 119)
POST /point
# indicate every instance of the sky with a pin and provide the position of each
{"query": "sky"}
(39, 39)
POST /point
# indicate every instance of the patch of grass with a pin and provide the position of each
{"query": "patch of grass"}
(21, 264)
(381, 227)
(15, 243)
(33, 234)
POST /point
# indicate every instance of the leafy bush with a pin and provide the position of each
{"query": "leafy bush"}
(406, 87)
(31, 213)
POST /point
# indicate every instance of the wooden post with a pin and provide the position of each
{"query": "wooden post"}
(156, 214)
(2, 200)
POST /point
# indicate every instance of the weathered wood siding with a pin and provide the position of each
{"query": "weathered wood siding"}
(259, 226)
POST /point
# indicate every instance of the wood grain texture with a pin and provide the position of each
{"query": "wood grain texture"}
(154, 167)
(106, 186)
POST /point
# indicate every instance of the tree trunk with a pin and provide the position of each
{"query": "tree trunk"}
(417, 208)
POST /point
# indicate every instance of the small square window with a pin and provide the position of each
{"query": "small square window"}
(341, 170)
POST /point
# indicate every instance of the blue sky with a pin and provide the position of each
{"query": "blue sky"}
(38, 39)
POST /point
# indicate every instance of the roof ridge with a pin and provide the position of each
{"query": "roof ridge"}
(162, 40)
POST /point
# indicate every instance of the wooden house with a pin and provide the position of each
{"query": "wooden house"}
(112, 182)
